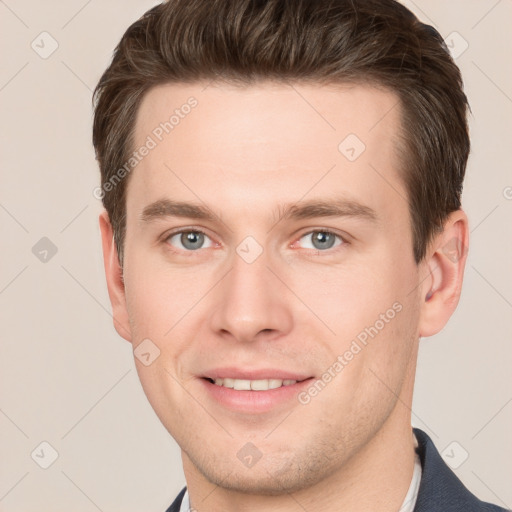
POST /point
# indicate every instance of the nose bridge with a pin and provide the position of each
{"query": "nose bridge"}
(249, 299)
(249, 282)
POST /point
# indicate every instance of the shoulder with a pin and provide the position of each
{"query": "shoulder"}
(440, 489)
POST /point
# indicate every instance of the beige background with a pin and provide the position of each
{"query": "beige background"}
(67, 378)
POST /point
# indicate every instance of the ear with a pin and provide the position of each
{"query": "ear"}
(114, 276)
(444, 267)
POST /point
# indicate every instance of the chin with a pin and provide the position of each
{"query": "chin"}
(277, 475)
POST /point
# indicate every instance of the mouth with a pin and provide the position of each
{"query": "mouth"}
(252, 385)
(254, 392)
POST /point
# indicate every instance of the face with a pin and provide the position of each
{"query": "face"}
(268, 261)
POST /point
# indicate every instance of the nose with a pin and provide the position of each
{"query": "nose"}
(251, 303)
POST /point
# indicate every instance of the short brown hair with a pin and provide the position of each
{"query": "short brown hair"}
(317, 41)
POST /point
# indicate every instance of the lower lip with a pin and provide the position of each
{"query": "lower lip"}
(254, 401)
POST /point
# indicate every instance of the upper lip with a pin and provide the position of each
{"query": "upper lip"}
(253, 374)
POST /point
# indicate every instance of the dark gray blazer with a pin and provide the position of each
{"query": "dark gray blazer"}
(440, 490)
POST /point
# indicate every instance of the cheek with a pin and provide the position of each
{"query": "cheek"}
(373, 320)
(365, 374)
(347, 298)
(166, 306)
(159, 295)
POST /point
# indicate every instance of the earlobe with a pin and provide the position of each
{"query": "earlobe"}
(444, 270)
(114, 277)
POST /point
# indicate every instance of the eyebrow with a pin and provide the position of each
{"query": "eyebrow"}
(297, 211)
(330, 208)
(167, 208)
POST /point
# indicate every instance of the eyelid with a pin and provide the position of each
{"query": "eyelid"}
(181, 229)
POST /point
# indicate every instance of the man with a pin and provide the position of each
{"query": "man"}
(282, 224)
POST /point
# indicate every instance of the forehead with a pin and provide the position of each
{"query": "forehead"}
(267, 142)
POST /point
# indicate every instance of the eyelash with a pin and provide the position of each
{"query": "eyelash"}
(335, 249)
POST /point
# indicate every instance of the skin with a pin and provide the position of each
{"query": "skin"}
(246, 153)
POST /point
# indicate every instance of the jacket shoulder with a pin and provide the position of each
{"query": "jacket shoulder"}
(440, 489)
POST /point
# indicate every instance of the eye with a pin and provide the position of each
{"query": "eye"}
(191, 240)
(320, 240)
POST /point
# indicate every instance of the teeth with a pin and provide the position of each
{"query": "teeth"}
(228, 383)
(255, 385)
(274, 383)
(242, 385)
(259, 385)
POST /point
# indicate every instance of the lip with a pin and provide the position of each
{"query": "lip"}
(254, 402)
(255, 374)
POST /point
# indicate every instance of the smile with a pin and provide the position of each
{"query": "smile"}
(253, 392)
(253, 385)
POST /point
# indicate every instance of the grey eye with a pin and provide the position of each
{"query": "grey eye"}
(320, 240)
(190, 240)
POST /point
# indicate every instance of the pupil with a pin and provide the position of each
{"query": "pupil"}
(323, 240)
(192, 240)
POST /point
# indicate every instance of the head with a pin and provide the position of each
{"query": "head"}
(315, 163)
